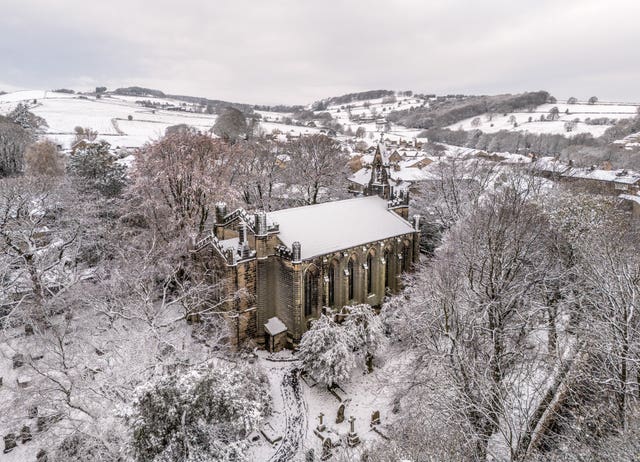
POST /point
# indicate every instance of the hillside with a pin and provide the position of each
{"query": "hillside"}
(583, 118)
(125, 121)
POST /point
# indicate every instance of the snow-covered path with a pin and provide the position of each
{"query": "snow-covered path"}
(296, 417)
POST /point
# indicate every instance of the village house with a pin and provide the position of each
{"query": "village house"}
(291, 265)
(591, 179)
(400, 172)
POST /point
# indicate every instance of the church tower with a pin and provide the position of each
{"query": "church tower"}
(379, 185)
(379, 182)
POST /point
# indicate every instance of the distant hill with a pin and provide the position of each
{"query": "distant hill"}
(351, 97)
(139, 91)
(440, 114)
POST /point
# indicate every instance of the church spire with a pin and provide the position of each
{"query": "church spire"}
(379, 181)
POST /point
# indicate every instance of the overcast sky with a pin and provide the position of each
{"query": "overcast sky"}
(298, 51)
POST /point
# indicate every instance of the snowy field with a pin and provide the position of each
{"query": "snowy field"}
(109, 116)
(579, 111)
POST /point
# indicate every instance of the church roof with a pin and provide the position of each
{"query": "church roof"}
(334, 226)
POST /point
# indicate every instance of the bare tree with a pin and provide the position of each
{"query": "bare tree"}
(178, 179)
(43, 158)
(13, 142)
(231, 125)
(317, 168)
(260, 168)
(473, 315)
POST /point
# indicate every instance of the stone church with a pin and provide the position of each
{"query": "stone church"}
(288, 266)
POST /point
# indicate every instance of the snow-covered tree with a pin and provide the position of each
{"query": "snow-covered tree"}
(95, 168)
(473, 311)
(367, 332)
(327, 352)
(26, 119)
(13, 142)
(200, 415)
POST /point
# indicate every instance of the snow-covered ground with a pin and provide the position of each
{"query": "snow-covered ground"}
(297, 406)
(496, 122)
(109, 116)
(370, 110)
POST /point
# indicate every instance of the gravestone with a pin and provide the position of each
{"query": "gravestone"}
(327, 447)
(270, 434)
(41, 423)
(42, 456)
(18, 360)
(25, 434)
(375, 418)
(340, 416)
(352, 437)
(32, 413)
(320, 426)
(28, 329)
(23, 381)
(9, 442)
(396, 405)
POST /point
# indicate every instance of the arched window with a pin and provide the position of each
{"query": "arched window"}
(369, 273)
(387, 263)
(310, 292)
(405, 257)
(332, 285)
(352, 278)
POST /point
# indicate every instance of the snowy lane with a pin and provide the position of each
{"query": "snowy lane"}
(296, 417)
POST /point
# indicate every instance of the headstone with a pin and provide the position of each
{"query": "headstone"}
(340, 416)
(310, 456)
(25, 434)
(42, 456)
(375, 418)
(32, 413)
(352, 437)
(28, 329)
(396, 405)
(9, 442)
(321, 426)
(41, 423)
(327, 446)
(23, 381)
(270, 434)
(18, 360)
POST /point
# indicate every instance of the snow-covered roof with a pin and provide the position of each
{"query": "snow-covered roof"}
(405, 173)
(631, 197)
(274, 326)
(232, 243)
(333, 226)
(616, 176)
(550, 164)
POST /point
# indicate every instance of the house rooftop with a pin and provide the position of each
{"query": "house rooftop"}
(333, 226)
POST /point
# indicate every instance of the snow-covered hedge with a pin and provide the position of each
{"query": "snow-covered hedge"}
(203, 415)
